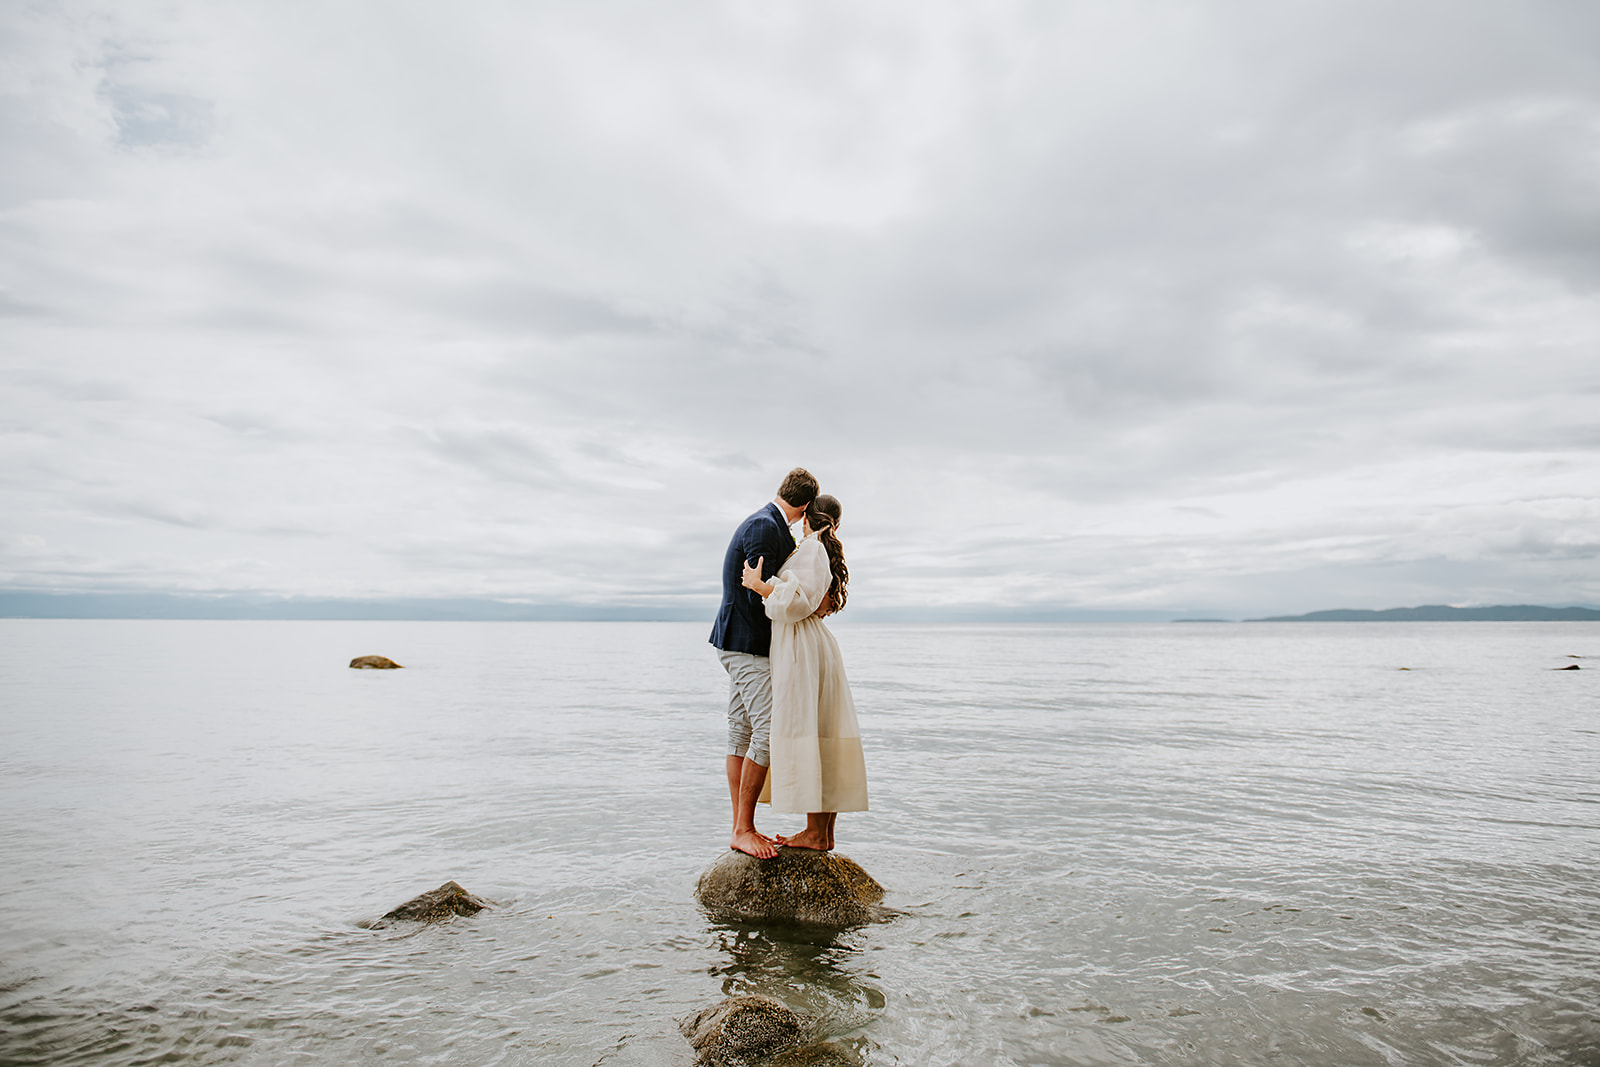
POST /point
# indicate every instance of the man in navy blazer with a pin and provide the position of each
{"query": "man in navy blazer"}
(743, 634)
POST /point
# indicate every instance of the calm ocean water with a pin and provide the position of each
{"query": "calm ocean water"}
(1133, 844)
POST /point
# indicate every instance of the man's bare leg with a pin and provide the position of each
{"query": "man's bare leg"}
(818, 833)
(745, 779)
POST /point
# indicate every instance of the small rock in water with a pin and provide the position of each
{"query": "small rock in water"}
(374, 663)
(449, 899)
(799, 885)
(742, 1030)
(1568, 667)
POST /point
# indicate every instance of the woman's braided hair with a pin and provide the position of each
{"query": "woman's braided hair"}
(823, 515)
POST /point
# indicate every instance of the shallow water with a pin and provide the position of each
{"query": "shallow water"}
(1135, 844)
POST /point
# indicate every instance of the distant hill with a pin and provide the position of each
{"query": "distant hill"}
(1443, 613)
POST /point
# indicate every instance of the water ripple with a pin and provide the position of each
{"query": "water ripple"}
(1110, 845)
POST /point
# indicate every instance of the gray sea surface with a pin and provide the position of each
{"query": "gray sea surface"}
(1333, 844)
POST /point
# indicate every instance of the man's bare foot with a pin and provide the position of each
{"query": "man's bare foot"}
(806, 838)
(754, 844)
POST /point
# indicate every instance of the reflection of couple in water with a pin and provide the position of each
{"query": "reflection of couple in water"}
(792, 733)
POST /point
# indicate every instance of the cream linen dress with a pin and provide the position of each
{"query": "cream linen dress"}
(817, 764)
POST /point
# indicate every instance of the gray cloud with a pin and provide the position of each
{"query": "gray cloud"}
(165, 120)
(1165, 306)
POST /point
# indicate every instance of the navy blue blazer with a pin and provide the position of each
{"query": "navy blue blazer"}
(742, 624)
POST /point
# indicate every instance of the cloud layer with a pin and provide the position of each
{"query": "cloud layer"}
(1160, 306)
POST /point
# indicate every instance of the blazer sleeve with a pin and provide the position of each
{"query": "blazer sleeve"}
(769, 542)
(800, 586)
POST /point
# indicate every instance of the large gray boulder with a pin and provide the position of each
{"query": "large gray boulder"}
(798, 885)
(743, 1031)
(449, 899)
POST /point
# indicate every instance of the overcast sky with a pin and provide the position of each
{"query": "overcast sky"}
(1230, 308)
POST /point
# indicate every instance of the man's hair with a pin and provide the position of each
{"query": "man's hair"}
(799, 488)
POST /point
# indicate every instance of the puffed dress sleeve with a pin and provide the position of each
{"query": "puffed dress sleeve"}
(802, 583)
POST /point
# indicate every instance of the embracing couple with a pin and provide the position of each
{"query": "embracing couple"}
(793, 740)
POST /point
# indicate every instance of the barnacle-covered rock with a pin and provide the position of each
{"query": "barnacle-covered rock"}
(743, 1031)
(449, 899)
(798, 885)
(820, 1055)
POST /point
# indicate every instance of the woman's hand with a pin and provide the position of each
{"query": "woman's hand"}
(752, 578)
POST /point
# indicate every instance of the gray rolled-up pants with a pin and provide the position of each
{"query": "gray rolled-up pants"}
(749, 705)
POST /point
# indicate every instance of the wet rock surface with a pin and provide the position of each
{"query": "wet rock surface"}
(374, 663)
(449, 899)
(797, 885)
(745, 1031)
(823, 1055)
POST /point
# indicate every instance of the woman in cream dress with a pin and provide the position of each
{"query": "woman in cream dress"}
(817, 764)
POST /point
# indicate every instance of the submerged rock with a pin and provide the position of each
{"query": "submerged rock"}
(449, 899)
(1568, 667)
(798, 885)
(743, 1031)
(823, 1055)
(374, 663)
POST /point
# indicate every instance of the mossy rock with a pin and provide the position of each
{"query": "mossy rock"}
(798, 885)
(743, 1031)
(434, 905)
(822, 1055)
(374, 663)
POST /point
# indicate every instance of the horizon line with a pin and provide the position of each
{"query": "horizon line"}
(30, 604)
(33, 604)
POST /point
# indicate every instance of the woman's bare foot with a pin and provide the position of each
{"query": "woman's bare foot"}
(807, 838)
(754, 844)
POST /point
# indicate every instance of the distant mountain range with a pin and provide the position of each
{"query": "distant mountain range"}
(1444, 613)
